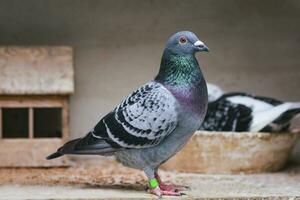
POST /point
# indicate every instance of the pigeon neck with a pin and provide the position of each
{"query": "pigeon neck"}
(179, 70)
(182, 76)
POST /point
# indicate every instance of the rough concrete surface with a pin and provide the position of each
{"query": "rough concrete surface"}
(108, 180)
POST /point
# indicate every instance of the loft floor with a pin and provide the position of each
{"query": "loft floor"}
(108, 180)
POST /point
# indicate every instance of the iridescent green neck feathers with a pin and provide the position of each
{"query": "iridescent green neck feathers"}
(179, 70)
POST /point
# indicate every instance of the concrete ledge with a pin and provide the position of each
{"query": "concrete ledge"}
(112, 181)
(69, 192)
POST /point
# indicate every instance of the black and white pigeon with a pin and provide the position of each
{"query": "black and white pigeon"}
(155, 121)
(239, 111)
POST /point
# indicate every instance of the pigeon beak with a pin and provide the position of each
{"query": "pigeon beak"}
(201, 46)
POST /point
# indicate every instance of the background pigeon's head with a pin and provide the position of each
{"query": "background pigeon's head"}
(185, 42)
(214, 92)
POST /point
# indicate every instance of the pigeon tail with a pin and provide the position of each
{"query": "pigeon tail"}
(286, 118)
(294, 105)
(263, 118)
(54, 155)
(67, 148)
(289, 114)
(88, 145)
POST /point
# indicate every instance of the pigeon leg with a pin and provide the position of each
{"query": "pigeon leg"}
(156, 190)
(170, 187)
(154, 187)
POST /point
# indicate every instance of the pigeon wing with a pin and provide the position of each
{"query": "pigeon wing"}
(143, 119)
(223, 115)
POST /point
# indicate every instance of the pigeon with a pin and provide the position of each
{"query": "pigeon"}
(156, 120)
(240, 111)
(214, 92)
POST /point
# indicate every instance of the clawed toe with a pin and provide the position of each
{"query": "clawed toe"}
(182, 187)
(159, 192)
(156, 191)
(174, 188)
(159, 188)
(172, 193)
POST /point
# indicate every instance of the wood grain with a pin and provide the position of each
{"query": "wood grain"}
(0, 123)
(30, 153)
(31, 122)
(33, 101)
(36, 70)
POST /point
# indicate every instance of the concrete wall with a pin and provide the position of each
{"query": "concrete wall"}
(255, 45)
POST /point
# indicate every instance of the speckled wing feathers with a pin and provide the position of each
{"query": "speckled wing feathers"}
(142, 119)
(223, 115)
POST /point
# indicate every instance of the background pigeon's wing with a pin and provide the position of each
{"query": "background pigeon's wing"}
(248, 100)
(143, 119)
(268, 100)
(222, 115)
(275, 119)
(283, 122)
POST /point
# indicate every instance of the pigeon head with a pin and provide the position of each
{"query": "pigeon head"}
(179, 66)
(185, 43)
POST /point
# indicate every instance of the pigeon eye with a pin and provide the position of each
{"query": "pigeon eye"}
(182, 40)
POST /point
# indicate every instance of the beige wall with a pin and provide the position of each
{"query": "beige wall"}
(255, 45)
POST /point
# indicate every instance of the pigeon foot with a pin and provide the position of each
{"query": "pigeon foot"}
(170, 187)
(174, 188)
(159, 192)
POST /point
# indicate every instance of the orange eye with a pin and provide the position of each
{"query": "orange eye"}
(182, 40)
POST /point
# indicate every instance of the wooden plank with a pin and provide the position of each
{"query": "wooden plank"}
(36, 70)
(65, 120)
(32, 101)
(36, 104)
(30, 153)
(31, 123)
(1, 134)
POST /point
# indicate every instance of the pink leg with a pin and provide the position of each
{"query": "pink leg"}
(170, 187)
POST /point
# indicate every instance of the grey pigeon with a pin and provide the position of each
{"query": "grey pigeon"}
(155, 121)
(240, 111)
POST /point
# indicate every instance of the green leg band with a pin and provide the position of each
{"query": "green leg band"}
(153, 183)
